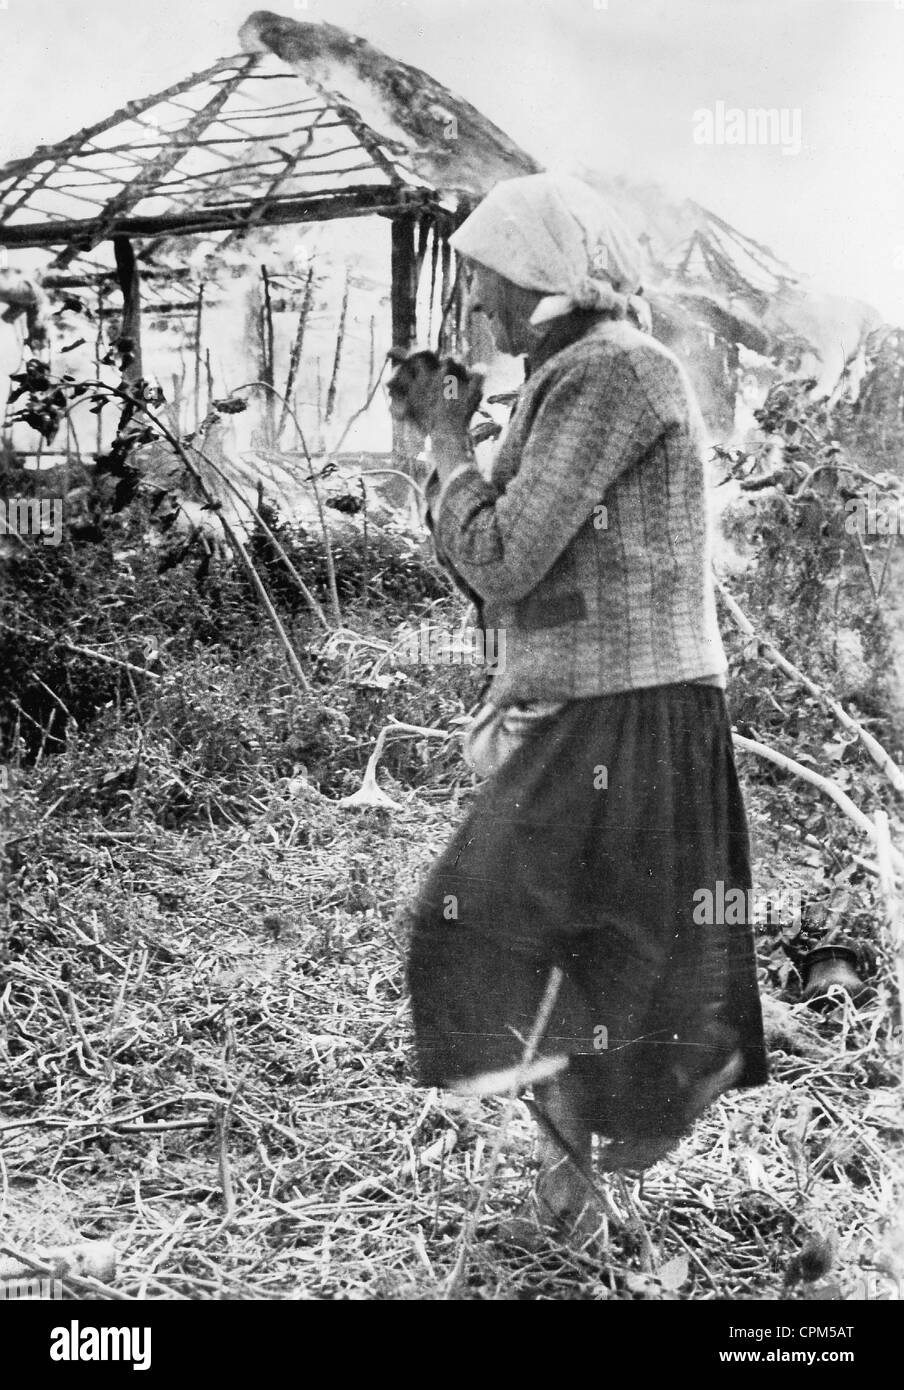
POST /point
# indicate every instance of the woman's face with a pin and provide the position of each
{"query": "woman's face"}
(506, 306)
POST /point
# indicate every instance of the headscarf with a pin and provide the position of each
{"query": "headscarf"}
(556, 234)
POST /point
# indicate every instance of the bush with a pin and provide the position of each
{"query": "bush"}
(807, 585)
(216, 715)
(386, 566)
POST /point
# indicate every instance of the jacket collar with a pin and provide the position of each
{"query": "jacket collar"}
(562, 333)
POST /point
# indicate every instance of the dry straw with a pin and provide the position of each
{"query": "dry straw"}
(207, 1060)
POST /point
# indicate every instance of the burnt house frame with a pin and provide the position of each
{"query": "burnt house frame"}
(254, 140)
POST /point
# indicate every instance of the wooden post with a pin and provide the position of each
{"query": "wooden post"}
(434, 266)
(448, 293)
(404, 281)
(422, 229)
(130, 334)
(404, 306)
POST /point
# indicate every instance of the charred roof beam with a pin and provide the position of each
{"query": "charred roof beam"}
(55, 154)
(158, 167)
(361, 201)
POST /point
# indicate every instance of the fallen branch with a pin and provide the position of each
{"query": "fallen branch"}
(161, 1126)
(880, 756)
(223, 1166)
(894, 904)
(825, 784)
(85, 651)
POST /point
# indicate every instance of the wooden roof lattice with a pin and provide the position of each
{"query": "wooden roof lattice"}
(718, 254)
(245, 142)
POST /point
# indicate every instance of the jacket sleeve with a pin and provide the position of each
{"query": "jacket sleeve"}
(434, 492)
(594, 421)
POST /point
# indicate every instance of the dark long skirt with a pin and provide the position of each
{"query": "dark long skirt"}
(593, 848)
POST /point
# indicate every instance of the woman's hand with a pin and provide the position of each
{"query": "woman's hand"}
(436, 396)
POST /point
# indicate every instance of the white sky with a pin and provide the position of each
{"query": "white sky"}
(607, 83)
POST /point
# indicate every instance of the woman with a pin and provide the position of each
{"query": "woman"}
(613, 802)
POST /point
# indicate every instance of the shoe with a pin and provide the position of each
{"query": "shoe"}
(535, 1225)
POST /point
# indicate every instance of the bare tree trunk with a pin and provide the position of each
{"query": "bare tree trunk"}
(267, 367)
(340, 339)
(295, 358)
(371, 359)
(199, 314)
(98, 354)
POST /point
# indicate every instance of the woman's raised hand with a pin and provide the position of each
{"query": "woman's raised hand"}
(436, 395)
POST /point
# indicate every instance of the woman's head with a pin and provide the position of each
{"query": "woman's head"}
(508, 308)
(540, 247)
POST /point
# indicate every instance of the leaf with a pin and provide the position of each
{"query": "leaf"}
(674, 1272)
(756, 1173)
(822, 1293)
(886, 1109)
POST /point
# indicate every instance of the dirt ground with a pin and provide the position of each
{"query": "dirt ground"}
(208, 1063)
